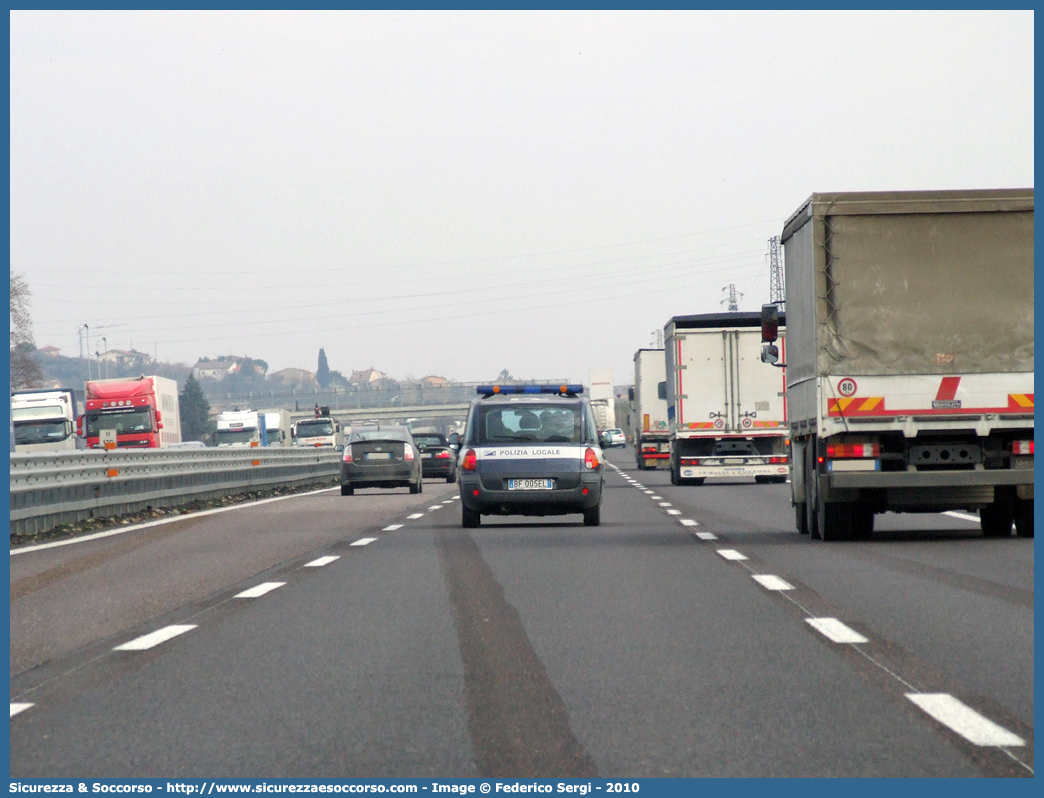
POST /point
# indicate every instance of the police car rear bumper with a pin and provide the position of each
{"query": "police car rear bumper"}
(559, 501)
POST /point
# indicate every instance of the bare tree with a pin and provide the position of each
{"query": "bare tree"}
(25, 372)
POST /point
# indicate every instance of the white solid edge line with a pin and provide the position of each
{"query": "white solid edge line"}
(155, 638)
(363, 542)
(964, 720)
(392, 528)
(731, 554)
(159, 521)
(962, 516)
(835, 631)
(772, 582)
(16, 708)
(415, 516)
(259, 590)
(322, 561)
(687, 522)
(706, 536)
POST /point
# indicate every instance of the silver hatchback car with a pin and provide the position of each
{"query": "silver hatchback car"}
(381, 456)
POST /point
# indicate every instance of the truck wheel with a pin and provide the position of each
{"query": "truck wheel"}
(862, 522)
(694, 481)
(801, 518)
(996, 518)
(1024, 517)
(593, 517)
(469, 519)
(811, 494)
(674, 475)
(835, 520)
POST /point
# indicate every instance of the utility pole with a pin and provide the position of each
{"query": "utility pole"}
(777, 295)
(733, 302)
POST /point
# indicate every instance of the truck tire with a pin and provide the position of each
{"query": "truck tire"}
(674, 474)
(593, 517)
(1024, 517)
(801, 518)
(469, 519)
(996, 519)
(811, 493)
(834, 520)
(770, 480)
(862, 522)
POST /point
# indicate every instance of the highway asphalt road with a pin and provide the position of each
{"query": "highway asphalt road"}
(693, 633)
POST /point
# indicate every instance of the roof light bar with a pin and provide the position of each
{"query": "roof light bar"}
(492, 390)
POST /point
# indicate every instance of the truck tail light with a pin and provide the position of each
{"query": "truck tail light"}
(407, 453)
(837, 451)
(648, 448)
(468, 463)
(777, 460)
(690, 462)
(590, 459)
(1022, 447)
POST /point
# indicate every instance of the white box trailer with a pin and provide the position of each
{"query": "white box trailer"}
(910, 357)
(603, 399)
(648, 395)
(726, 410)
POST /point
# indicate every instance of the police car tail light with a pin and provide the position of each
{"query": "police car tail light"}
(1022, 447)
(407, 453)
(468, 463)
(590, 459)
(837, 451)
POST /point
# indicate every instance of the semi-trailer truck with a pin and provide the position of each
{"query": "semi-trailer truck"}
(726, 411)
(277, 426)
(240, 428)
(45, 420)
(909, 358)
(648, 395)
(602, 398)
(143, 412)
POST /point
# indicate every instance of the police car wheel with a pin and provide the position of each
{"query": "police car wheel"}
(469, 519)
(593, 517)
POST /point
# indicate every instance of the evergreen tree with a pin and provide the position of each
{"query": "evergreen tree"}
(195, 411)
(322, 374)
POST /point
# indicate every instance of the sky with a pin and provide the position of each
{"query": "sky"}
(460, 192)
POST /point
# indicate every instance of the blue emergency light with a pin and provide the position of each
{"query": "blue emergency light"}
(493, 390)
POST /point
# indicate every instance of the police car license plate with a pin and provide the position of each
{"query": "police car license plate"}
(531, 484)
(378, 455)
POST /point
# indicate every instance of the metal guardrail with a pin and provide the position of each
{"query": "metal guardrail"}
(64, 487)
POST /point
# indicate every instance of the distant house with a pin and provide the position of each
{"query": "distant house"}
(125, 358)
(367, 377)
(298, 379)
(221, 367)
(433, 381)
(50, 351)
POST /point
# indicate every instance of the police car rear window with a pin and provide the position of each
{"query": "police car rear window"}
(530, 423)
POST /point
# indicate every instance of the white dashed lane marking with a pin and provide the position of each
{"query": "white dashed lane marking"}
(666, 504)
(674, 512)
(415, 516)
(731, 554)
(964, 720)
(834, 630)
(321, 561)
(770, 582)
(363, 542)
(392, 528)
(706, 536)
(16, 708)
(688, 522)
(259, 590)
(435, 507)
(155, 638)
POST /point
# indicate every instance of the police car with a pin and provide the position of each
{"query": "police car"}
(530, 450)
